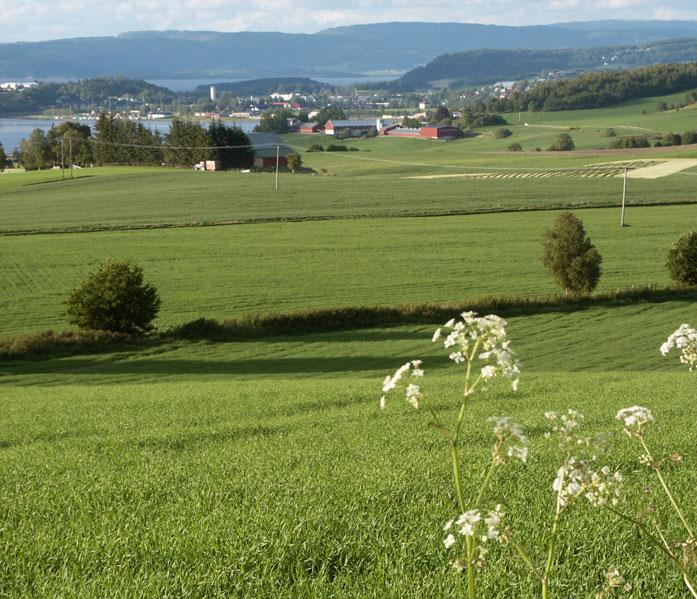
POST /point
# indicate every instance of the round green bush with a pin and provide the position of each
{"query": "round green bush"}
(114, 298)
(682, 259)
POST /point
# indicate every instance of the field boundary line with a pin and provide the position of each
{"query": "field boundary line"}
(323, 218)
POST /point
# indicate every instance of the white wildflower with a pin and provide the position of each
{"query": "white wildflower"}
(635, 420)
(481, 338)
(413, 392)
(511, 441)
(684, 339)
(468, 521)
(414, 395)
(493, 522)
(449, 541)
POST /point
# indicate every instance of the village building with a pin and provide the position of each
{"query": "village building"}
(310, 128)
(265, 146)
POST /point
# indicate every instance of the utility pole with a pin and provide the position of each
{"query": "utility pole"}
(624, 197)
(70, 149)
(278, 158)
(62, 158)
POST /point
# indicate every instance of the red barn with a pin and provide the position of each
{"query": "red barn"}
(310, 128)
(440, 132)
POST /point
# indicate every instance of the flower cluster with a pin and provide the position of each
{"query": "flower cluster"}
(481, 338)
(578, 475)
(511, 442)
(413, 392)
(577, 478)
(635, 420)
(468, 525)
(614, 581)
(684, 339)
(566, 425)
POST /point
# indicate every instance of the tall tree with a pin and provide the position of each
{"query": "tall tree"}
(3, 159)
(35, 150)
(72, 135)
(238, 155)
(186, 143)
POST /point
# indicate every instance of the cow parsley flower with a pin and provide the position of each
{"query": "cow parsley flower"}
(635, 420)
(484, 339)
(412, 392)
(684, 339)
(468, 521)
(511, 442)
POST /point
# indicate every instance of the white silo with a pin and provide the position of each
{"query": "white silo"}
(214, 93)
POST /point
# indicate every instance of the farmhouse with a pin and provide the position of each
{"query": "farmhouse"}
(426, 132)
(264, 146)
(310, 128)
(350, 128)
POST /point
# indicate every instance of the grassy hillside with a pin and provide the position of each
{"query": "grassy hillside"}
(227, 271)
(266, 468)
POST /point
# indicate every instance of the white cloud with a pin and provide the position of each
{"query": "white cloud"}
(44, 19)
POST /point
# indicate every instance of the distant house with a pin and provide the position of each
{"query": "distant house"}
(310, 128)
(264, 146)
(396, 131)
(353, 128)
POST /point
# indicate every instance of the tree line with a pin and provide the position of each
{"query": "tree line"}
(118, 141)
(601, 89)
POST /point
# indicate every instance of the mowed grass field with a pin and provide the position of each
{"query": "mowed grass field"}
(223, 272)
(267, 469)
(264, 468)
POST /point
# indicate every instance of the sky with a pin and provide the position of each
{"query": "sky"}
(32, 20)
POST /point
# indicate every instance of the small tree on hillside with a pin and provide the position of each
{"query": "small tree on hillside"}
(114, 298)
(682, 259)
(3, 159)
(564, 143)
(570, 256)
(295, 162)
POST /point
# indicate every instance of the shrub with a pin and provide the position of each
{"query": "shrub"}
(515, 148)
(682, 259)
(295, 162)
(610, 132)
(503, 133)
(114, 298)
(570, 256)
(316, 148)
(564, 143)
(633, 141)
(336, 148)
(689, 137)
(672, 139)
(661, 106)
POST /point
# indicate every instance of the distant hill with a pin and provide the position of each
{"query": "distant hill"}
(488, 66)
(59, 95)
(267, 86)
(354, 50)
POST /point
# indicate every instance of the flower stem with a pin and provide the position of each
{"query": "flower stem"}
(666, 489)
(469, 541)
(551, 544)
(484, 485)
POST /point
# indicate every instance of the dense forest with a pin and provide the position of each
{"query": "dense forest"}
(45, 95)
(598, 90)
(480, 67)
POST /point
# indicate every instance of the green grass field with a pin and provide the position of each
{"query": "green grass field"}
(267, 469)
(264, 467)
(224, 272)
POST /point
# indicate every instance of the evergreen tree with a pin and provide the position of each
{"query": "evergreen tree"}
(232, 157)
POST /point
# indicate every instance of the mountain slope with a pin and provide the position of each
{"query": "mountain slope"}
(488, 66)
(353, 50)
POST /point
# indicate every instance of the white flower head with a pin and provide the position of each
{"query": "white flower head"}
(511, 441)
(635, 420)
(684, 339)
(413, 392)
(482, 339)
